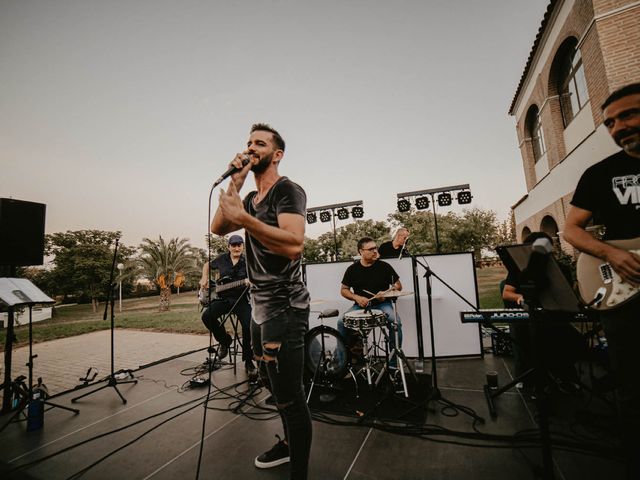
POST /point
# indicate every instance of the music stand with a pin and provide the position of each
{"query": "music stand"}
(20, 292)
(547, 293)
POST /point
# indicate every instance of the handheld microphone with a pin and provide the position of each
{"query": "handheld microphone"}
(403, 250)
(231, 170)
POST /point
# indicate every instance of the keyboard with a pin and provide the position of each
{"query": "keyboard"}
(516, 315)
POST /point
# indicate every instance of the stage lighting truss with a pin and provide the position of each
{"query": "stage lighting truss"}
(464, 197)
(444, 199)
(325, 216)
(357, 212)
(342, 213)
(423, 199)
(422, 203)
(312, 217)
(404, 205)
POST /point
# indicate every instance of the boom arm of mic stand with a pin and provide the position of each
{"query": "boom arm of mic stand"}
(430, 272)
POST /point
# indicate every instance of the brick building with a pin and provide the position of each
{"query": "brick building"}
(584, 50)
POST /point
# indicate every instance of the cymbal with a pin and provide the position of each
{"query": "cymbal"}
(394, 294)
(316, 302)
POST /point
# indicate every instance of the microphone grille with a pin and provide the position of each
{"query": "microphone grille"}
(542, 245)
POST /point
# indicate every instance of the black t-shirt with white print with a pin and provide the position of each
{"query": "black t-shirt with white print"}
(610, 189)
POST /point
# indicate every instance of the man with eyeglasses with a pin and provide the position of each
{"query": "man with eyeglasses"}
(365, 279)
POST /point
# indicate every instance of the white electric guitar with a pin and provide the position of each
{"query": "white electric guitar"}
(597, 280)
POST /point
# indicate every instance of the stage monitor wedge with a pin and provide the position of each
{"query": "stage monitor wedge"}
(21, 232)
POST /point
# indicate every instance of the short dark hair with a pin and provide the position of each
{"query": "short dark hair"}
(264, 127)
(364, 240)
(631, 89)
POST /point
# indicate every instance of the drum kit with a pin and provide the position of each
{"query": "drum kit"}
(329, 360)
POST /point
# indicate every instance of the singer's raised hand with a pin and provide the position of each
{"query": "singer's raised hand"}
(230, 205)
(243, 162)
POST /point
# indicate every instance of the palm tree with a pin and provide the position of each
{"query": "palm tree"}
(163, 262)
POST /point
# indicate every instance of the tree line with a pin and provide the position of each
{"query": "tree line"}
(81, 261)
(475, 230)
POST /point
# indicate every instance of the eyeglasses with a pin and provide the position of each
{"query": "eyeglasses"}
(235, 244)
(372, 249)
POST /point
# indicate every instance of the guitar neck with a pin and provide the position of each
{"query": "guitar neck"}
(229, 286)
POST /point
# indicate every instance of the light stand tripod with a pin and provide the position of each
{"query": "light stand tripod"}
(436, 395)
(112, 381)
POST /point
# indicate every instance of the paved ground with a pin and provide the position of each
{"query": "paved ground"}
(62, 362)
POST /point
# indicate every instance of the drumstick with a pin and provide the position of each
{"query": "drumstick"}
(375, 295)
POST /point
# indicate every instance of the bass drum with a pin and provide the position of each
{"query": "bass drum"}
(334, 360)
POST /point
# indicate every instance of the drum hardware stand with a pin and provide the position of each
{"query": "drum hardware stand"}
(112, 381)
(364, 334)
(323, 360)
(26, 401)
(398, 353)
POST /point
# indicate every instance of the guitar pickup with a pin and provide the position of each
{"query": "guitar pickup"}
(606, 272)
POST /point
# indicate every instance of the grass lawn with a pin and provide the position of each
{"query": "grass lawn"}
(489, 279)
(184, 316)
(137, 313)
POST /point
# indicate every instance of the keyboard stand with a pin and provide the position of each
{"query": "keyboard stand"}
(490, 394)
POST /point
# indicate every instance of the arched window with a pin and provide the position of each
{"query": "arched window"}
(526, 231)
(572, 84)
(534, 129)
(549, 226)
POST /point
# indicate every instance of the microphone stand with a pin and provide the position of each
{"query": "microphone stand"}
(246, 159)
(112, 380)
(436, 395)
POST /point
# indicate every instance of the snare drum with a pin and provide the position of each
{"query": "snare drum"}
(361, 320)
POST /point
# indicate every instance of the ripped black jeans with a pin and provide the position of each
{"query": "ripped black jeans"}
(285, 376)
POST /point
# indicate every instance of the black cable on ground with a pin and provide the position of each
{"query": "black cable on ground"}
(32, 463)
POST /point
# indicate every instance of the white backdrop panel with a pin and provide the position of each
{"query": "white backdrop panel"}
(452, 337)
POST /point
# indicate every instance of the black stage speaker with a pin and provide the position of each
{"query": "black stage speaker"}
(21, 232)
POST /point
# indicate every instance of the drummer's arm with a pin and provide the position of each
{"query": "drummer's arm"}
(349, 295)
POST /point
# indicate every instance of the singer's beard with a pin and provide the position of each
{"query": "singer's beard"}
(631, 146)
(262, 164)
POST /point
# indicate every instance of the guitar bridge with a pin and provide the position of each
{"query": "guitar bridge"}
(606, 273)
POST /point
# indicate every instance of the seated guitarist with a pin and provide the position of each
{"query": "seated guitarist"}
(231, 267)
(609, 193)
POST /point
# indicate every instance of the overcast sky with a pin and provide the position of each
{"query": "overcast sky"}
(119, 115)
